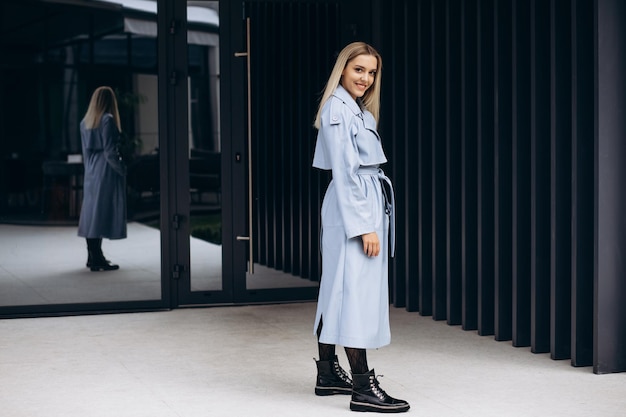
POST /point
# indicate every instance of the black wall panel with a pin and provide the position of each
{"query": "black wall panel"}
(485, 166)
(540, 175)
(469, 160)
(287, 207)
(609, 348)
(503, 162)
(438, 156)
(582, 182)
(496, 149)
(520, 175)
(560, 193)
(504, 177)
(454, 172)
(424, 153)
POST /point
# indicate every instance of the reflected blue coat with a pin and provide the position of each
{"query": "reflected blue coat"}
(353, 299)
(103, 213)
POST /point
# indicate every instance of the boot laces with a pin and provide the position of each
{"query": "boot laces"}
(376, 389)
(339, 371)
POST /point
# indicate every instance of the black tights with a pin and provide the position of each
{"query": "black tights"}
(94, 245)
(356, 357)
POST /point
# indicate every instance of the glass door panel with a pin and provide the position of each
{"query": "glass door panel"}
(205, 150)
(49, 71)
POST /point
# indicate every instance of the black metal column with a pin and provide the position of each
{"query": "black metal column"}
(610, 196)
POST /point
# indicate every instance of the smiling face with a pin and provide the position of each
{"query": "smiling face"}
(359, 74)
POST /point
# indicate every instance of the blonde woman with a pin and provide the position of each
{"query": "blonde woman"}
(103, 212)
(357, 211)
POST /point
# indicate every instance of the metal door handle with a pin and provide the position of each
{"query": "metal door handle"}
(246, 54)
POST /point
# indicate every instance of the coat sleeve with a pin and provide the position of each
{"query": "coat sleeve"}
(110, 138)
(338, 133)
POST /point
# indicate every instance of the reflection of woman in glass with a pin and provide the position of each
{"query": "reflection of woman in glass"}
(353, 302)
(103, 213)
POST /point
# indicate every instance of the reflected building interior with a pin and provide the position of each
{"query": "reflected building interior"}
(54, 55)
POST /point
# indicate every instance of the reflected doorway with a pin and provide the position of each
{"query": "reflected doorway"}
(55, 53)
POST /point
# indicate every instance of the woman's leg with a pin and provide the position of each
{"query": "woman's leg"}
(326, 351)
(358, 360)
(331, 378)
(367, 395)
(92, 249)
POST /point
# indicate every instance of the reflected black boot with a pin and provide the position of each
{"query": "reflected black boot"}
(95, 258)
(93, 247)
(102, 264)
(332, 379)
(367, 395)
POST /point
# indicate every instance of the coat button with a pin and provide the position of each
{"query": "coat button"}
(335, 118)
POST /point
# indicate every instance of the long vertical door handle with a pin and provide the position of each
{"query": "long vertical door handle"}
(250, 194)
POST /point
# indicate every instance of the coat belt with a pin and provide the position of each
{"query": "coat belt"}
(388, 194)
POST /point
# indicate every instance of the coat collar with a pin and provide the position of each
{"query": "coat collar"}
(343, 95)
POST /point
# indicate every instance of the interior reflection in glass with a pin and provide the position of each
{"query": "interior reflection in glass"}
(54, 55)
(204, 148)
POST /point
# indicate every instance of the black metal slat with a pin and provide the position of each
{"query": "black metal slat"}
(609, 319)
(540, 173)
(582, 182)
(412, 174)
(438, 152)
(520, 68)
(560, 274)
(503, 158)
(395, 114)
(469, 98)
(485, 167)
(281, 121)
(454, 175)
(425, 275)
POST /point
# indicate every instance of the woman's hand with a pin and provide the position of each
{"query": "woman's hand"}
(371, 244)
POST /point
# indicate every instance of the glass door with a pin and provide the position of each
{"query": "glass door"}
(198, 270)
(50, 68)
(255, 70)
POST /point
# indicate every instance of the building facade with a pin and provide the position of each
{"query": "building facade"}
(502, 121)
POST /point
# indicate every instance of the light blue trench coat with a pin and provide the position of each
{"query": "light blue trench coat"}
(353, 300)
(103, 213)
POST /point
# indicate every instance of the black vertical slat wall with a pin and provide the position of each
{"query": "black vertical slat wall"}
(495, 153)
(488, 110)
(287, 80)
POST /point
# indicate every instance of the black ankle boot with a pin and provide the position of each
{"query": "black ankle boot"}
(367, 395)
(100, 263)
(332, 379)
(105, 265)
(95, 258)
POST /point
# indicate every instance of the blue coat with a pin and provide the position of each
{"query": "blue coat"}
(103, 213)
(353, 298)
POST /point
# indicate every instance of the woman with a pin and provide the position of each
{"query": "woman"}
(103, 213)
(353, 303)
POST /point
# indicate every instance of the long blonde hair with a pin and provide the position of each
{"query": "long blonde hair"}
(102, 101)
(371, 98)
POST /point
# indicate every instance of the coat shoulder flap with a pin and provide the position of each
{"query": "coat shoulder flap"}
(336, 110)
